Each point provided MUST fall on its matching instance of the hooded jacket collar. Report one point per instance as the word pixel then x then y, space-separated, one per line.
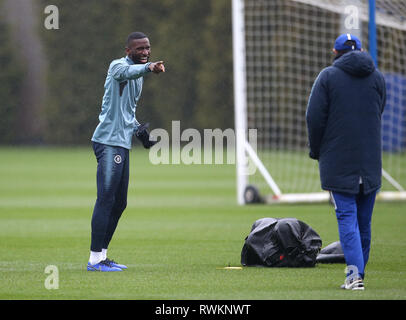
pixel 356 63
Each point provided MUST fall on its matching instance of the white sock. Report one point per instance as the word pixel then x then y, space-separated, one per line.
pixel 95 257
pixel 104 254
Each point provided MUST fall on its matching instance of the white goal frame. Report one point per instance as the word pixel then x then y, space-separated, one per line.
pixel 244 150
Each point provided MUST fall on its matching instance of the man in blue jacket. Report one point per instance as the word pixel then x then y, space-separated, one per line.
pixel 344 129
pixel 112 142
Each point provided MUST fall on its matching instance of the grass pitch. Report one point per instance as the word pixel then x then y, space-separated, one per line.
pixel 181 226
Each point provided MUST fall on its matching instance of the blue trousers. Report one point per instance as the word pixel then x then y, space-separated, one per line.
pixel 354 214
pixel 112 187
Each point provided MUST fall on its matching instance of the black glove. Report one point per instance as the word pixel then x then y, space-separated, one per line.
pixel 143 135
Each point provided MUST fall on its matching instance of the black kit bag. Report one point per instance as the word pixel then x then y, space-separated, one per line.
pixel 333 253
pixel 285 242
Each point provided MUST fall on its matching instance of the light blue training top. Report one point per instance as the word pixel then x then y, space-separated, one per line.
pixel 122 90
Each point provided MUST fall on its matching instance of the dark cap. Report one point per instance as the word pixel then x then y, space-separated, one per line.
pixel 347 41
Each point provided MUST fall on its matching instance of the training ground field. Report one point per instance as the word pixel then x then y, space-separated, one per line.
pixel 181 226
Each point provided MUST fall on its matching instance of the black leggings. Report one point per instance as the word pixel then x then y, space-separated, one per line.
pixel 112 188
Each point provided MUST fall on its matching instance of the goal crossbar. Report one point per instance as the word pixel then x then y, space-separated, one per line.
pixel 289 42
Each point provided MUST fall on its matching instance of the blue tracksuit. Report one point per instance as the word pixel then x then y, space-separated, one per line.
pixel 122 90
pixel 344 129
pixel 111 143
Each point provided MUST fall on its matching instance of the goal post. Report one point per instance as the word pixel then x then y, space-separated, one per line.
pixel 240 104
pixel 279 47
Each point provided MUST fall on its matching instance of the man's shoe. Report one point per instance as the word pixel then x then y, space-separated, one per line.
pixel 115 264
pixel 353 284
pixel 102 266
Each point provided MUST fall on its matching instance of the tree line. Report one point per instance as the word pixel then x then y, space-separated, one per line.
pixel 192 37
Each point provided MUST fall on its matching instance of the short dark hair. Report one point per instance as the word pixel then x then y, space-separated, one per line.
pixel 134 36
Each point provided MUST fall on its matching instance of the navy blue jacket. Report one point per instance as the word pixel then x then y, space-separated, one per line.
pixel 344 123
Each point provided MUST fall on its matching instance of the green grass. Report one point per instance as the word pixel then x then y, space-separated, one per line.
pixel 181 226
pixel 295 172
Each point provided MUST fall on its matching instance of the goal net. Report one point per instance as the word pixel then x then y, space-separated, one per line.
pixel 280 46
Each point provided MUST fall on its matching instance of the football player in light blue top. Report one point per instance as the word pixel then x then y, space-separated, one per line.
pixel 111 143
